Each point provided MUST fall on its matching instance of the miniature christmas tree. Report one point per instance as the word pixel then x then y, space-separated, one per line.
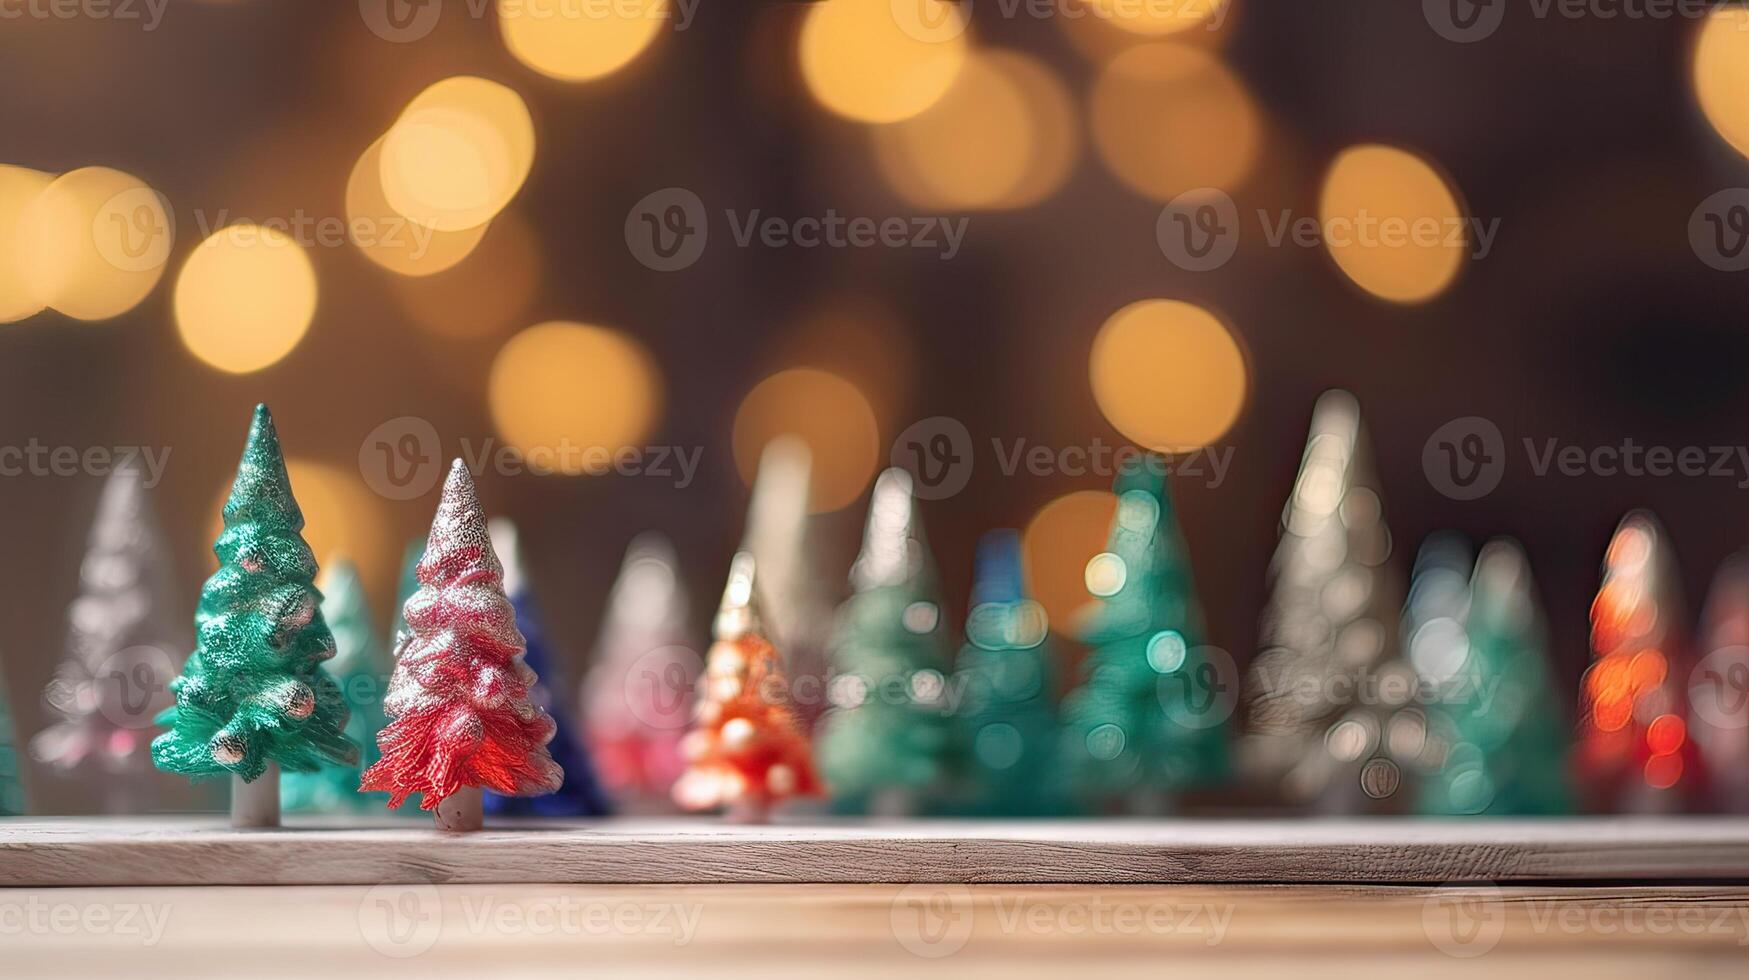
pixel 581 795
pixel 1495 727
pixel 121 652
pixel 362 668
pixel 253 693
pixel 746 751
pixel 796 612
pixel 1329 629
pixel 461 716
pixel 638 695
pixel 1139 729
pixel 885 746
pixel 1718 690
pixel 1634 753
pixel 11 773
pixel 1006 724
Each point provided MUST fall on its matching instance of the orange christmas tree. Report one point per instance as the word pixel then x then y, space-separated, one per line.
pixel 1634 752
pixel 745 750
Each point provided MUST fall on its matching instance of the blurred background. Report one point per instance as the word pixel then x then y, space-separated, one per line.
pixel 1058 131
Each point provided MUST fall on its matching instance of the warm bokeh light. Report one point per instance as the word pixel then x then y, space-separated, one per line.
pixel 1168 375
pixel 825 412
pixel 1392 223
pixel 484 296
pixel 1155 18
pixel 1721 74
pixel 18 187
pixel 1004 135
pixel 862 340
pixel 95 242
pixel 1060 540
pixel 391 239
pixel 245 297
pixel 861 60
pixel 458 154
pixel 342 516
pixel 1169 118
pixel 576 42
pixel 571 397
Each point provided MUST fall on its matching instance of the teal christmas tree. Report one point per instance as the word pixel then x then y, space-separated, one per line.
pixel 253 693
pixel 885 743
pixel 1147 722
pixel 11 774
pixel 1496 725
pixel 1006 723
pixel 361 667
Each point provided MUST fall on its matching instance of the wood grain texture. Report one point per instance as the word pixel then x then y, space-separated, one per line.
pixel 205 851
pixel 1012 932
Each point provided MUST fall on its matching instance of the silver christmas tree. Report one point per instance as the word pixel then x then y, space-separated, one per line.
pixel 122 650
pixel 797 609
pixel 637 695
pixel 1718 688
pixel 1328 638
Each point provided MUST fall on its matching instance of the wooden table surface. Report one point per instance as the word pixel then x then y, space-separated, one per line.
pixel 477 931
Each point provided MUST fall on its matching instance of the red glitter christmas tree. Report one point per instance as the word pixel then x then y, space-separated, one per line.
pixel 1634 753
pixel 462 718
pixel 745 751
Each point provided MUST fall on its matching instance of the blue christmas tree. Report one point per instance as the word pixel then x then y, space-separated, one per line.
pixel 581 795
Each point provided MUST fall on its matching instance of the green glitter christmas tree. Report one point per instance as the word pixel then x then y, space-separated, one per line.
pixel 1006 723
pixel 253 692
pixel 1147 722
pixel 885 743
pixel 11 776
pixel 1496 721
pixel 362 668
